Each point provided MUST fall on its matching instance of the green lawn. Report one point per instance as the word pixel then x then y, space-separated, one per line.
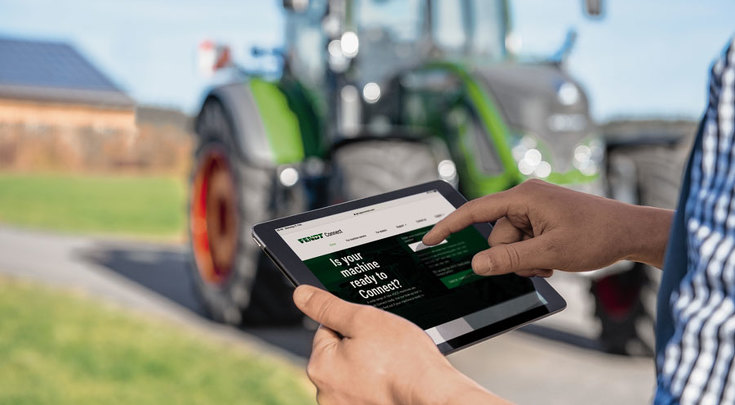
pixel 63 348
pixel 135 205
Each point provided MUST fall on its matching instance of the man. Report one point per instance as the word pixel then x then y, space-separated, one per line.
pixel 541 227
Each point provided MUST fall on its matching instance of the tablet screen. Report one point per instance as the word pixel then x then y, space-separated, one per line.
pixel 374 255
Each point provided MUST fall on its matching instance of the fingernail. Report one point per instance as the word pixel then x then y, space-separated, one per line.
pixel 302 294
pixel 481 264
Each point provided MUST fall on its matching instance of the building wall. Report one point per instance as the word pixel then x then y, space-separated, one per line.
pixel 64 137
pixel 66 115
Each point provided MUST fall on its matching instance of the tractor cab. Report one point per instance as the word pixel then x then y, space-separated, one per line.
pixel 362 48
pixel 443 70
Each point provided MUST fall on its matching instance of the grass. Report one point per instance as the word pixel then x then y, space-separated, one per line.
pixel 61 348
pixel 151 206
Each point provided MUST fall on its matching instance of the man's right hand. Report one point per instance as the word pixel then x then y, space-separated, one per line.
pixel 541 227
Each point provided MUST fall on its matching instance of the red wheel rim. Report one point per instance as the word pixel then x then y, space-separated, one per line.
pixel 617 298
pixel 213 218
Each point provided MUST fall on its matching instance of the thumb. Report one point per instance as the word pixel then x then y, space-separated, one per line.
pixel 325 308
pixel 529 254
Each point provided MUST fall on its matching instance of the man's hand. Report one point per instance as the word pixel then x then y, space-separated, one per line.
pixel 362 355
pixel 541 227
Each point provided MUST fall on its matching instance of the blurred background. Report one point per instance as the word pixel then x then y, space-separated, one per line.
pixel 140 140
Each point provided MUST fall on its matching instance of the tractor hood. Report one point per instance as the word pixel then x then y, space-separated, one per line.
pixel 542 101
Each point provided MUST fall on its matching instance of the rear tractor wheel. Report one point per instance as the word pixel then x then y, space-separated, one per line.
pixel 227 197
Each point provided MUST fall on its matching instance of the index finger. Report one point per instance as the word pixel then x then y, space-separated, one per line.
pixel 325 308
pixel 484 209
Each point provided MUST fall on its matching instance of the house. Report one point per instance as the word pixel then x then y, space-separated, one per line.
pixel 57 109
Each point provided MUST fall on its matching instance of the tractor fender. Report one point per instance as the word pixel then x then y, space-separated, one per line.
pixel 265 131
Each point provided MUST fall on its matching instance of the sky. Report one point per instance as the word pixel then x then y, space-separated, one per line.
pixel 643 59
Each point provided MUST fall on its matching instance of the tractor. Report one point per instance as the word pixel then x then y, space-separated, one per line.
pixel 371 96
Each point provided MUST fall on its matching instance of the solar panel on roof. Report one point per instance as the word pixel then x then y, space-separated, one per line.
pixel 52 64
pixel 53 70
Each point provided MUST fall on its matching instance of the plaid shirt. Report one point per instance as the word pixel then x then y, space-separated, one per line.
pixel 696 311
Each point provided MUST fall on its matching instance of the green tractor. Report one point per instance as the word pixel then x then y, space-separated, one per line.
pixel 373 95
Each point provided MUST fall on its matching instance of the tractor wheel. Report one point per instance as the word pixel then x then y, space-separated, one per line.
pixel 625 303
pixel 365 168
pixel 227 197
pixel 622 306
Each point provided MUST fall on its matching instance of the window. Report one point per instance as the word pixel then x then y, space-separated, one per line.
pixel 307 42
pixel 399 20
pixel 448 25
pixel 488 28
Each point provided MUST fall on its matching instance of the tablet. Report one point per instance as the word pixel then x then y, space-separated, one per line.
pixel 369 251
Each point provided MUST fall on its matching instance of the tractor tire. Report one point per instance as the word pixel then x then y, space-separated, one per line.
pixel 369 167
pixel 235 282
pixel 659 170
pixel 625 303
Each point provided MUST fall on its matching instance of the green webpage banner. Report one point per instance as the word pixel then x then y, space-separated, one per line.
pixel 429 285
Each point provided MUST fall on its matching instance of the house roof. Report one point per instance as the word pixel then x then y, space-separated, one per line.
pixel 54 71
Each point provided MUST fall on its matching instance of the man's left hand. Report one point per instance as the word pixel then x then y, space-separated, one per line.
pixel 363 355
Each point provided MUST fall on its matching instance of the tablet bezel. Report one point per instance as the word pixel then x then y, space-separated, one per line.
pixel 297 273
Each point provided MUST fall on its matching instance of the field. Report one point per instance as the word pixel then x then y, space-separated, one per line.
pixel 152 206
pixel 64 348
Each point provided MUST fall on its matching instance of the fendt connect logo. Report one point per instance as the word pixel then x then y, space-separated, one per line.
pixel 319 236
